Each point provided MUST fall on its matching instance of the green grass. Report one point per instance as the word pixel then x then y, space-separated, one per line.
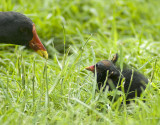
pixel 78 33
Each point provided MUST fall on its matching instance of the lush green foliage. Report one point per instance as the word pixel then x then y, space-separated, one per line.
pixel 78 33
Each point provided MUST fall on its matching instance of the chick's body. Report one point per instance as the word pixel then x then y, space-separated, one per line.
pixel 110 75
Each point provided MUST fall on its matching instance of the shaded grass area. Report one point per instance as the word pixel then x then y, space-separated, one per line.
pixel 78 34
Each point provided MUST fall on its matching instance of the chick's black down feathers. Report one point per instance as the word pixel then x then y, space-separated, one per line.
pixel 110 75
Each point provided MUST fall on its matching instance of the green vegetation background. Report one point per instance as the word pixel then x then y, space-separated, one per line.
pixel 78 33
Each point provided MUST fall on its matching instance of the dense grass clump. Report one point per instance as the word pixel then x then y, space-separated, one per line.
pixel 79 33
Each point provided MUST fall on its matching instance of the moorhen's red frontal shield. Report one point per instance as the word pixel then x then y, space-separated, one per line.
pixel 36 44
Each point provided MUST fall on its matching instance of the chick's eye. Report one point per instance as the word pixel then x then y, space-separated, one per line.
pixel 97 65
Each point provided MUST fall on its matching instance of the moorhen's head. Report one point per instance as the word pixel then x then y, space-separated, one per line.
pixel 18 29
pixel 104 67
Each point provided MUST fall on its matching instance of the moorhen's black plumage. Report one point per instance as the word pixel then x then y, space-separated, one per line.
pixel 134 82
pixel 16 28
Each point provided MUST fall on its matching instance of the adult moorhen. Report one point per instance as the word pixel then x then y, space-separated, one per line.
pixel 16 28
pixel 108 74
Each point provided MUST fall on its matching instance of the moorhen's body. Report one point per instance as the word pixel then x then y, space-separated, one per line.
pixel 134 82
pixel 16 28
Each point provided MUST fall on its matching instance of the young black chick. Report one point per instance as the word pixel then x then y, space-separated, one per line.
pixel 110 75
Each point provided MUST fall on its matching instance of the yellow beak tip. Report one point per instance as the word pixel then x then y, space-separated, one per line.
pixel 43 53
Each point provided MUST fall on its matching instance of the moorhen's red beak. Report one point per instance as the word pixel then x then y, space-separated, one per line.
pixel 36 44
pixel 91 68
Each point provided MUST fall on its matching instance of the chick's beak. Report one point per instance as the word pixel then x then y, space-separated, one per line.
pixel 36 44
pixel 91 68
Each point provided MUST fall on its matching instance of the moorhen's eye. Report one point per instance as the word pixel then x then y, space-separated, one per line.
pixel 24 30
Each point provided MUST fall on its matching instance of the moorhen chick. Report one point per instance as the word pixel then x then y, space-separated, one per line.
pixel 134 82
pixel 16 28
